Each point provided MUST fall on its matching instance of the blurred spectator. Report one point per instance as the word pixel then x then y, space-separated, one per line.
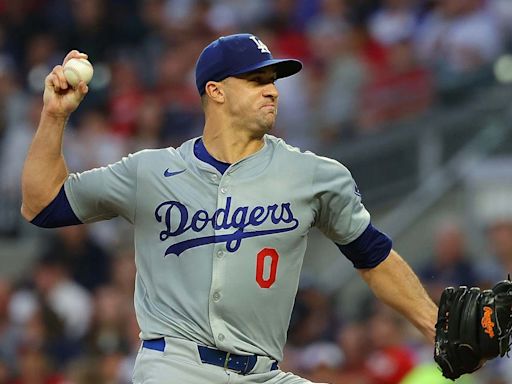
pixel 21 20
pixel 85 260
pixel 17 139
pixel 93 143
pixel 222 19
pixel 106 333
pixel 332 15
pixel 44 331
pixel 83 371
pixel 355 345
pixel 248 12
pixel 109 365
pixel 13 141
pixel 502 12
pixel 177 93
pixel 153 16
pixel 66 298
pixel 450 264
pixel 321 361
pixel 341 73
pixel 459 39
pixel 42 51
pixel 395 21
pixel 149 125
pixel 313 317
pixel 13 99
pixel 36 369
pixel 499 264
pixel 90 30
pixel 15 136
pixel 372 53
pixel 114 332
pixel 126 26
pixel 123 273
pixel 42 55
pixel 9 335
pixel 182 14
pixel 4 372
pixel 312 321
pixel 289 37
pixel 132 337
pixel 396 87
pixel 125 96
pixel 401 89
pixel 390 359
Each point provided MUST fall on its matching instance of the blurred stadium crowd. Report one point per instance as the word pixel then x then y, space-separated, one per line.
pixel 368 63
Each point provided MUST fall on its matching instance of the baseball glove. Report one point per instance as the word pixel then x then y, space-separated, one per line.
pixel 473 326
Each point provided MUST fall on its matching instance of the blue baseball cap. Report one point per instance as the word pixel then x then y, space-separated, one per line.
pixel 236 54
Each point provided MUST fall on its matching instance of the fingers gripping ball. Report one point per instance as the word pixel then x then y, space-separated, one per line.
pixel 473 326
pixel 76 70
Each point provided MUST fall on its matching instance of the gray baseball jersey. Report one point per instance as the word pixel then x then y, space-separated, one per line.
pixel 219 255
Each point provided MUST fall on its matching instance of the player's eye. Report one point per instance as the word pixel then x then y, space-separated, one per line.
pixel 263 79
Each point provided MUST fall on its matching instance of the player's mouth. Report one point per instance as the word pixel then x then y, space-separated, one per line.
pixel 269 108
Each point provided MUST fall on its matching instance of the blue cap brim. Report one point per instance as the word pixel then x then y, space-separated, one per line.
pixel 284 67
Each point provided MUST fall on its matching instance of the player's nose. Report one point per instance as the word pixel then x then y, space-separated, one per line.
pixel 270 90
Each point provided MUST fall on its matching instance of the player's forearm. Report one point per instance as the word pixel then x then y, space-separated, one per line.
pixel 45 169
pixel 394 282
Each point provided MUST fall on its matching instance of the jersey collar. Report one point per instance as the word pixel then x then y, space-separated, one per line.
pixel 257 162
pixel 202 154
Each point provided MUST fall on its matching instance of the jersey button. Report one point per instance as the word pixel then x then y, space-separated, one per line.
pixel 221 337
pixel 214 177
pixel 220 253
pixel 216 296
pixel 223 190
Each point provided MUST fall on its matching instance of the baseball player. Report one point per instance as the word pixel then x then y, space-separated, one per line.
pixel 220 223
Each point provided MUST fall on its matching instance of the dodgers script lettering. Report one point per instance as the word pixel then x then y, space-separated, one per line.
pixel 178 221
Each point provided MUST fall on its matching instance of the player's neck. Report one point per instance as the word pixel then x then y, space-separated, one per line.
pixel 230 147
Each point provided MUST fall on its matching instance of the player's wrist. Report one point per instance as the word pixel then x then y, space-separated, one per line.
pixel 50 114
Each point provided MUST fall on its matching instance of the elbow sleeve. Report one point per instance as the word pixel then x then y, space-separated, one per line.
pixel 369 249
pixel 57 214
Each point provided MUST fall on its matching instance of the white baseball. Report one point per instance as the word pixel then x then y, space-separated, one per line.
pixel 76 70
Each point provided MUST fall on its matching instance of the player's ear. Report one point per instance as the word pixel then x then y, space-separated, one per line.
pixel 215 91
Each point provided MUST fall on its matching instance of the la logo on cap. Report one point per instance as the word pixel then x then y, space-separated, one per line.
pixel 261 46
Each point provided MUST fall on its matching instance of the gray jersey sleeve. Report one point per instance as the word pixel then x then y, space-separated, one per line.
pixel 340 214
pixel 106 192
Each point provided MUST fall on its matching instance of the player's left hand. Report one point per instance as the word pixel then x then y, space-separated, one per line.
pixel 473 326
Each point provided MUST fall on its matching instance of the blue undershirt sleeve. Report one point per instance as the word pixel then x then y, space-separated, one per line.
pixel 57 214
pixel 369 249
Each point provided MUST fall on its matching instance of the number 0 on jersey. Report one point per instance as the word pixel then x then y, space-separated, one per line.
pixel 266 255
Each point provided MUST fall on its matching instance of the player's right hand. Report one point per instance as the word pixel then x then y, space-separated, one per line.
pixel 60 98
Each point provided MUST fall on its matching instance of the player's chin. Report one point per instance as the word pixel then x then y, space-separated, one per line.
pixel 270 118
pixel 268 124
pixel 266 121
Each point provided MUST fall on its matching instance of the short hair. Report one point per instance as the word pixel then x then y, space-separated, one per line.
pixel 204 100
